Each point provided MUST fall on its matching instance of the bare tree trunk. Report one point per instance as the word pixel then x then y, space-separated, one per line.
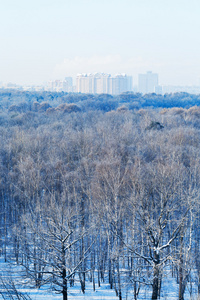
pixel 182 275
pixel 110 273
pixel 155 282
pixel 156 276
pixel 119 281
pixel 64 291
pixel 180 292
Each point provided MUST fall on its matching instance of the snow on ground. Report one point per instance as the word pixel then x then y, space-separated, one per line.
pixel 101 294
pixel 14 272
pixel 169 288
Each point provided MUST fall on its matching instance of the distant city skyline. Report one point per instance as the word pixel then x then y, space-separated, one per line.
pixel 104 83
pixel 45 40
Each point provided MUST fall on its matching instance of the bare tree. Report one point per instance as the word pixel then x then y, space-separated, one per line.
pixel 160 205
pixel 52 238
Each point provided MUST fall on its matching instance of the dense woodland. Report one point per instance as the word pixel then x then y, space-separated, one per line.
pixel 99 188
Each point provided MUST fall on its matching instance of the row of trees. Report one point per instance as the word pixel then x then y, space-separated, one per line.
pixel 23 102
pixel 103 196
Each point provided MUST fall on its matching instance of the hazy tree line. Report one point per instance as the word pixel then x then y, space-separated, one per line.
pixel 96 196
pixel 23 102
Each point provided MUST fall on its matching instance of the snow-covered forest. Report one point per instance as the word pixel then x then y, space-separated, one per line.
pixel 100 190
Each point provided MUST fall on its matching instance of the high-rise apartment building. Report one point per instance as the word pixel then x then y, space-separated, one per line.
pixel 85 83
pixel 69 80
pixel 147 83
pixel 61 85
pixel 121 83
pixel 99 83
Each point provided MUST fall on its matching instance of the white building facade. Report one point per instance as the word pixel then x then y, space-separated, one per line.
pixel 101 83
pixel 147 83
pixel 60 85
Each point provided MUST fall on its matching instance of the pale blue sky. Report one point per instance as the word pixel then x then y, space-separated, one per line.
pixel 43 40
